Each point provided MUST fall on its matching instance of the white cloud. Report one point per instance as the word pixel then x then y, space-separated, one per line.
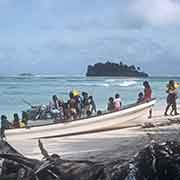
pixel 157 12
pixel 48 35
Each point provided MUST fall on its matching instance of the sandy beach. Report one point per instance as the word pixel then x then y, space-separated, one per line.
pixel 120 144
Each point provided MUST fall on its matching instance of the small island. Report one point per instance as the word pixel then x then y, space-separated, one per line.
pixel 115 69
pixel 26 74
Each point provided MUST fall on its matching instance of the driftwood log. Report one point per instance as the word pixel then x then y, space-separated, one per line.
pixel 154 162
pixel 52 167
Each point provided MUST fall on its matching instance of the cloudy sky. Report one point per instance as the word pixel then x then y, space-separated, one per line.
pixel 64 36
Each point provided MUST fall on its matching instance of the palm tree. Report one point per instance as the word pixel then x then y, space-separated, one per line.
pixel 121 64
pixel 132 67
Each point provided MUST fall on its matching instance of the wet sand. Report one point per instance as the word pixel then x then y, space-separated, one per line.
pixel 120 144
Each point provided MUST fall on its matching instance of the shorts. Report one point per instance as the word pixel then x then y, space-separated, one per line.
pixel 171 99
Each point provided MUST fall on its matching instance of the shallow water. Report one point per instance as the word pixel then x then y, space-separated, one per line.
pixel 39 89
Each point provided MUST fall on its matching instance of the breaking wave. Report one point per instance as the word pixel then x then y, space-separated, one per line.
pixel 94 84
pixel 122 83
pixel 110 80
pixel 127 83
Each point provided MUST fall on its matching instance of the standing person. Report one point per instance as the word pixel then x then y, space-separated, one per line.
pixel 61 110
pixel 16 123
pixel 147 91
pixel 117 103
pixel 92 105
pixel 55 102
pixel 54 107
pixel 77 98
pixel 174 105
pixel 147 95
pixel 171 98
pixel 85 103
pixel 67 113
pixel 111 106
pixel 78 105
pixel 72 106
pixel 4 123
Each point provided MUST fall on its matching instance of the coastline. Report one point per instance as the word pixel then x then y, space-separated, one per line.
pixel 38 90
pixel 103 146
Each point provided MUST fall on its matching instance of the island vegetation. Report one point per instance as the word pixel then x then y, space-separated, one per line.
pixel 115 69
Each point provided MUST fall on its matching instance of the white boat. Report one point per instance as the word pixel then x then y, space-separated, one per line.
pixel 107 121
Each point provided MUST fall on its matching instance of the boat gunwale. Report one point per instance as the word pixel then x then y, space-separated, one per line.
pixel 104 113
pixel 90 119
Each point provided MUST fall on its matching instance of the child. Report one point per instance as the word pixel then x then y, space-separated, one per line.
pixel 140 98
pixel 111 106
pixel 117 102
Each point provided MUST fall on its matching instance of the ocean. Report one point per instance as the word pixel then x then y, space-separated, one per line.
pixel 39 89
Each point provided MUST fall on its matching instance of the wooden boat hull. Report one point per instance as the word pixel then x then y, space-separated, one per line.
pixel 104 122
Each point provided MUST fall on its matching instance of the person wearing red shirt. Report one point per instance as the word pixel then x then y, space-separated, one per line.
pixel 147 91
pixel 147 95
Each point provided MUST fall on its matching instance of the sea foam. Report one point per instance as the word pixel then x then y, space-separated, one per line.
pixel 127 83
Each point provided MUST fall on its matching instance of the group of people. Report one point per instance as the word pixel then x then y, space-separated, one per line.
pixel 16 123
pixel 115 104
pixel 83 105
pixel 147 95
pixel 77 106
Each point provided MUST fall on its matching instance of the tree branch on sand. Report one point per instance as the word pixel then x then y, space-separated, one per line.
pixel 43 150
pixel 155 161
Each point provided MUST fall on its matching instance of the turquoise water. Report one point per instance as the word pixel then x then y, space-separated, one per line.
pixel 39 89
